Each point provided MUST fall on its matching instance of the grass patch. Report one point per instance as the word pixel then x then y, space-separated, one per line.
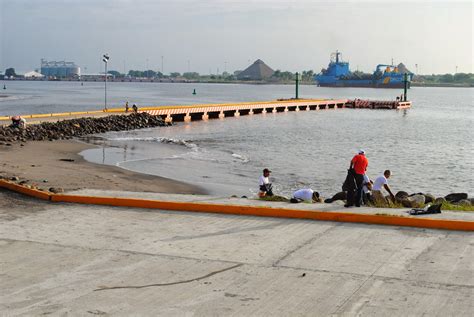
pixel 453 207
pixel 444 206
pixel 275 198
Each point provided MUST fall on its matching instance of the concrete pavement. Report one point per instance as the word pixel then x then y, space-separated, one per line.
pixel 337 206
pixel 68 259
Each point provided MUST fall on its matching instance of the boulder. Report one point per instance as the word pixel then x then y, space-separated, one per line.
pixel 401 195
pixel 429 198
pixel 56 190
pixel 339 196
pixel 68 129
pixel 455 197
pixel 464 202
pixel 416 201
pixel 440 200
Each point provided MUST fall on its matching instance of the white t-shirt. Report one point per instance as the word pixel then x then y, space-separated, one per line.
pixel 304 194
pixel 263 180
pixel 366 180
pixel 379 182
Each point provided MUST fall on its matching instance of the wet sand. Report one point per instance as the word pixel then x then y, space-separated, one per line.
pixel 58 164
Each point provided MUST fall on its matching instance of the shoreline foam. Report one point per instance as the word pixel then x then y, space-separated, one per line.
pixel 39 163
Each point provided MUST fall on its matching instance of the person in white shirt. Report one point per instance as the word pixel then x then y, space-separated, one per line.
pixel 382 182
pixel 305 194
pixel 366 189
pixel 265 185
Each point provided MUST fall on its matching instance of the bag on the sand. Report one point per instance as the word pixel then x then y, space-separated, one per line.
pixel 434 209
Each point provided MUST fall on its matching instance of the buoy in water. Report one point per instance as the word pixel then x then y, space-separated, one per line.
pixel 194 91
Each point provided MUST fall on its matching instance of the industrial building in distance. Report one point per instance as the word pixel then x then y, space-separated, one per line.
pixel 60 69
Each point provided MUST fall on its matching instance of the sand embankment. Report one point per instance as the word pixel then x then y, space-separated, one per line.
pixel 57 164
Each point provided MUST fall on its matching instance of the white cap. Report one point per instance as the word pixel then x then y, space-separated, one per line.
pixel 361 151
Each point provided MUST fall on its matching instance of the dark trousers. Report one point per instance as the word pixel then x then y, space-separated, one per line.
pixel 355 195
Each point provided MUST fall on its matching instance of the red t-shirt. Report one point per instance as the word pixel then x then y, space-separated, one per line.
pixel 360 163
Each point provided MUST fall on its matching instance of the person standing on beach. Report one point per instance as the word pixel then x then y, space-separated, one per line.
pixel 358 165
pixel 127 107
pixel 265 185
pixel 382 181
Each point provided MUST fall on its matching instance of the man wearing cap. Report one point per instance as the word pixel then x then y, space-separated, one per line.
pixel 265 185
pixel 358 165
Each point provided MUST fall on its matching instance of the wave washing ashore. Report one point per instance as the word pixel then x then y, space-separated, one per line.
pixel 79 127
pixel 428 148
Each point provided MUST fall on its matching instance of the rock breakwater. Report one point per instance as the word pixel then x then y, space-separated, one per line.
pixel 68 129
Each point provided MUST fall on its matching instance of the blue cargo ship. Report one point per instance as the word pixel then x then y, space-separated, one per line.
pixel 338 74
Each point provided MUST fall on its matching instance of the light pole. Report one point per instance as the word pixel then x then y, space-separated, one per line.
pixel 147 68
pixel 162 70
pixel 456 70
pixel 105 59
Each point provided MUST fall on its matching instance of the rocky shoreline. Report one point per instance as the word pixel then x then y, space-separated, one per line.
pixel 71 128
pixel 68 129
pixel 418 200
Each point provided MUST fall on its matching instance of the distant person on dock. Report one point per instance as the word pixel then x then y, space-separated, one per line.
pixel 18 122
pixel 358 166
pixel 127 108
pixel 305 195
pixel 135 108
pixel 382 182
pixel 265 185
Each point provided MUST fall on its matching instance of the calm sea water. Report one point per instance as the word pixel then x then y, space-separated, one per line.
pixel 429 148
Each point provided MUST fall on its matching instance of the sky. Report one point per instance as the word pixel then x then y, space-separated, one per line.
pixel 205 36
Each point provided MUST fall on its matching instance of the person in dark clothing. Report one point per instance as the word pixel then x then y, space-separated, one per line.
pixel 358 166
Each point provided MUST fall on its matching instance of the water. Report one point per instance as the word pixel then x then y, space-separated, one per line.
pixel 429 148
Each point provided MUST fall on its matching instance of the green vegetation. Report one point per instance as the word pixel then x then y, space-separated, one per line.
pixel 453 207
pixel 459 79
pixel 275 198
pixel 444 206
pixel 10 72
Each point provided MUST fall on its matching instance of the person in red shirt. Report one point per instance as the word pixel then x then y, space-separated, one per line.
pixel 358 167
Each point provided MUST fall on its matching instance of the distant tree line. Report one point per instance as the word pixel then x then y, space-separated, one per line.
pixel 458 78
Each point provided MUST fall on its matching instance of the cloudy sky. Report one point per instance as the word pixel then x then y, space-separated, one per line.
pixel 204 35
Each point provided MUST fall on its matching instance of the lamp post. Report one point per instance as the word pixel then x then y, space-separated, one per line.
pixel 105 59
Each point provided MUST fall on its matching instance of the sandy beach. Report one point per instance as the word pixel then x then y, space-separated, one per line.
pixel 58 164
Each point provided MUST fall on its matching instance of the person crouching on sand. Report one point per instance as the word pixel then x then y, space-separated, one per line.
pixel 305 195
pixel 18 122
pixel 265 185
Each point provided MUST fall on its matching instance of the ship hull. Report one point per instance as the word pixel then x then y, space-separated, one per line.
pixel 340 84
